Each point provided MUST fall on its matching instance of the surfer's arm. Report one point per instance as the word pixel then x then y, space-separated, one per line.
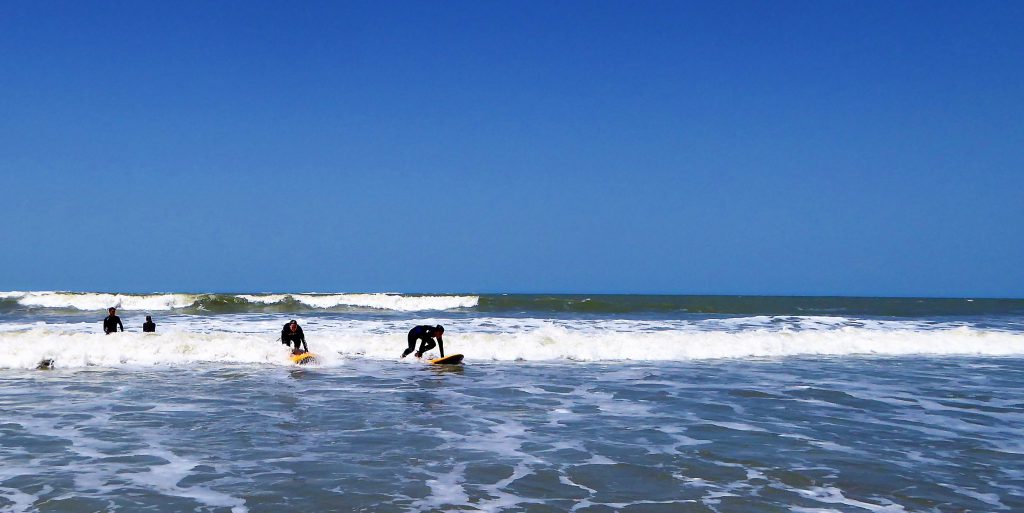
pixel 119 324
pixel 440 345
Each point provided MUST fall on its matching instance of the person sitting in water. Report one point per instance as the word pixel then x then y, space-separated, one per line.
pixel 292 334
pixel 112 321
pixel 149 326
pixel 427 334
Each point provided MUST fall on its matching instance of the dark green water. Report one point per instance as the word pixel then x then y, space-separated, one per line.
pixel 502 304
pixel 751 305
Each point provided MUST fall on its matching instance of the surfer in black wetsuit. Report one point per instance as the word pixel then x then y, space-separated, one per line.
pixel 112 321
pixel 427 334
pixel 292 333
pixel 149 326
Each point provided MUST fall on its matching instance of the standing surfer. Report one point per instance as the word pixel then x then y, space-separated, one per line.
pixel 292 334
pixel 427 334
pixel 149 326
pixel 112 321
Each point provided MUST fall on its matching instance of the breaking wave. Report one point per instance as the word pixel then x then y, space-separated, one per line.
pixel 395 302
pixel 553 305
pixel 26 348
pixel 89 301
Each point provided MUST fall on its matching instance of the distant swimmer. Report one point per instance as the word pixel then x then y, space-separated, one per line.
pixel 149 326
pixel 111 323
pixel 427 334
pixel 292 334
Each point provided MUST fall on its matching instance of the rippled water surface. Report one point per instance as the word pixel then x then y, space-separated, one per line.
pixel 791 434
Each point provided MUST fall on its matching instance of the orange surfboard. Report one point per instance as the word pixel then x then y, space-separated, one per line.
pixel 452 359
pixel 303 358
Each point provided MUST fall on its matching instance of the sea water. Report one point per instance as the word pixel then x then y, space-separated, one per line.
pixel 565 403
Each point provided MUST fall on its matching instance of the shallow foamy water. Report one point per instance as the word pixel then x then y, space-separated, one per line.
pixel 791 434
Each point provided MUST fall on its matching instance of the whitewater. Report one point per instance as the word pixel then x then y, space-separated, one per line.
pixel 181 342
pixel 583 403
pixel 164 302
pixel 243 328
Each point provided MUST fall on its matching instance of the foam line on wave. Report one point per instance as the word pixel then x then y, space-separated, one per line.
pixel 381 301
pixel 560 344
pixel 92 301
pixel 25 349
pixel 101 301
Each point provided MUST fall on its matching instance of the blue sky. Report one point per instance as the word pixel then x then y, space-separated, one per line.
pixel 853 148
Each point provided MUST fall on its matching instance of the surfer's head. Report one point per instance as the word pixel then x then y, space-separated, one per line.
pixel 438 329
pixel 111 310
pixel 294 325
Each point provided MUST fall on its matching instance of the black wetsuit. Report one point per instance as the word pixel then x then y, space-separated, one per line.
pixel 426 334
pixel 111 323
pixel 149 327
pixel 296 337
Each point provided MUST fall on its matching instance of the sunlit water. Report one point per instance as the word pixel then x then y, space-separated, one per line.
pixel 794 434
pixel 564 403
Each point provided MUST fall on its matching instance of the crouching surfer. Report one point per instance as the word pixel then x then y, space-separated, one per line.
pixel 292 334
pixel 426 334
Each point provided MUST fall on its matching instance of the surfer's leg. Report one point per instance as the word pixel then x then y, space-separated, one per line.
pixel 412 345
pixel 427 344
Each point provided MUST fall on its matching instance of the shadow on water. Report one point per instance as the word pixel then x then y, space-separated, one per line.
pixel 299 374
pixel 441 370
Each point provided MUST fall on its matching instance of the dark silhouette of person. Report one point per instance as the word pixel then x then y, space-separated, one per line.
pixel 149 326
pixel 292 334
pixel 111 323
pixel 426 334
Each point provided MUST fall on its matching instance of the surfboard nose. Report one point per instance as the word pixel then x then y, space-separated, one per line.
pixel 303 358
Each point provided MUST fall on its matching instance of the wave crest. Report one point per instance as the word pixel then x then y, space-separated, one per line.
pixel 91 301
pixel 395 302
pixel 99 301
pixel 24 349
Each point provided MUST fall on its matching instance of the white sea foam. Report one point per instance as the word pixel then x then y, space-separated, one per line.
pixel 395 302
pixel 88 301
pixel 833 495
pixel 98 301
pixel 74 348
pixel 445 490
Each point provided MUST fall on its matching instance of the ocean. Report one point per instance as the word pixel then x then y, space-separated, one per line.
pixel 581 403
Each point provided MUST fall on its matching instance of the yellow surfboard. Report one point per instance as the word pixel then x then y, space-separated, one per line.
pixel 451 359
pixel 303 358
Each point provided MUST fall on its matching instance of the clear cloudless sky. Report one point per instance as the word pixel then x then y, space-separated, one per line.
pixel 846 147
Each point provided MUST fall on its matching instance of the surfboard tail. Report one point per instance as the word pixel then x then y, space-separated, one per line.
pixel 448 360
